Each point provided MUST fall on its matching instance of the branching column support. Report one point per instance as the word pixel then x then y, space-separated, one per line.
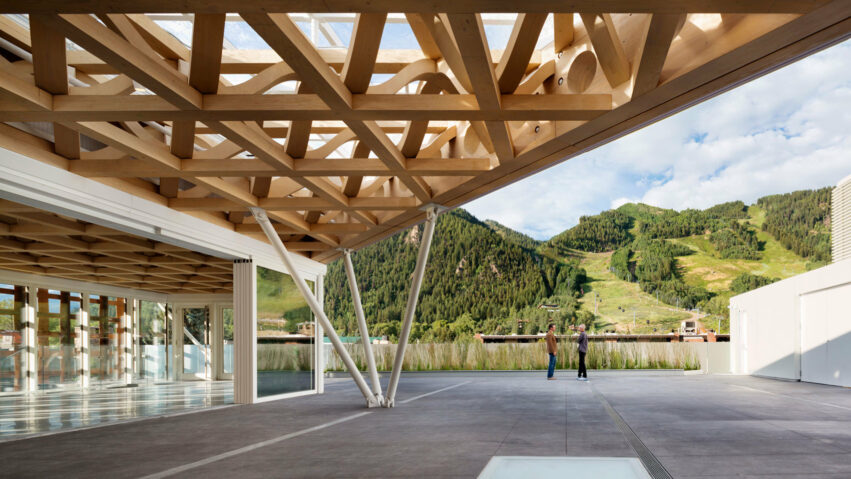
pixel 266 225
pixel 364 331
pixel 416 283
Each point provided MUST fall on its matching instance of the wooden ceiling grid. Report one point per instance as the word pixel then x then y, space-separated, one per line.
pixel 33 241
pixel 174 130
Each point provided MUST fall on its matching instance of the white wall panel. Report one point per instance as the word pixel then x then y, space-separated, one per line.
pixel 798 328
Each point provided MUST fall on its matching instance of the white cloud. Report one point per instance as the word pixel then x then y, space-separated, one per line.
pixel 783 132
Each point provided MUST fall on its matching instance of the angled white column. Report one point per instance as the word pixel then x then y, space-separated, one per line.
pixel 413 296
pixel 266 225
pixel 364 331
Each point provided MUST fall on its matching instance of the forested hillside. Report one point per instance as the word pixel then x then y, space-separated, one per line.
pixel 800 221
pixel 650 266
pixel 512 236
pixel 475 279
pixel 651 245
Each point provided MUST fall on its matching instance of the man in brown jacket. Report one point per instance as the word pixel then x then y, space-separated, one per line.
pixel 552 350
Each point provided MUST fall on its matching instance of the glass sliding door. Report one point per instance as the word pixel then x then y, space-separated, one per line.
pixel 58 338
pixel 285 354
pixel 12 362
pixel 196 342
pixel 105 358
pixel 154 346
pixel 227 342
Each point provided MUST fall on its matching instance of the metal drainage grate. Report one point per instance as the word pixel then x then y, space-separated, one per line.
pixel 651 462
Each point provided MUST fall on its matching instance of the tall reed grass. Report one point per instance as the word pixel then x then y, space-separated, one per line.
pixel 284 357
pixel 526 356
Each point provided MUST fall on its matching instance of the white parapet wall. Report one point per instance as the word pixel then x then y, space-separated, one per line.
pixel 798 328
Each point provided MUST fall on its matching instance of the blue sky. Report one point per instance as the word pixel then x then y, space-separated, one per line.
pixel 786 131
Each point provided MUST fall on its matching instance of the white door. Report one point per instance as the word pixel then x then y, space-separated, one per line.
pixel 826 336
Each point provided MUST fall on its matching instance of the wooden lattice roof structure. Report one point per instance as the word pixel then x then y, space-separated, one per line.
pixel 342 133
pixel 34 241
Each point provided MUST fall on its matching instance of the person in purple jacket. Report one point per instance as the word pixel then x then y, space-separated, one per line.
pixel 582 342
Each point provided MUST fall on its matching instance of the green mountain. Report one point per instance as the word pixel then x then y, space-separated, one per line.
pixel 637 268
pixel 516 237
pixel 697 258
pixel 479 278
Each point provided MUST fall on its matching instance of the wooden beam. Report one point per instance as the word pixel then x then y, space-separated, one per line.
pixel 158 76
pixel 295 204
pixel 208 32
pixel 607 46
pixel 655 44
pixel 470 35
pixel 257 61
pixel 251 137
pixel 326 228
pixel 306 246
pixel 25 93
pixel 513 65
pixel 442 36
pixel 160 40
pixel 423 34
pixel 14 33
pixel 287 39
pixel 282 34
pixel 435 6
pixel 205 64
pixel 372 107
pixel 353 181
pixel 363 51
pixel 303 167
pixel 563 31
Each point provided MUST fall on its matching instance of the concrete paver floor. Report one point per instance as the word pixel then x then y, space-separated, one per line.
pixel 696 426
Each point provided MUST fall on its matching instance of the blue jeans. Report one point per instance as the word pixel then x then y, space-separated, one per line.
pixel 552 368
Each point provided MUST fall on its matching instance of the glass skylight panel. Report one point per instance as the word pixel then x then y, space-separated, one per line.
pixel 379 78
pixel 243 37
pixel 546 37
pixel 398 36
pixel 343 30
pixel 180 29
pixel 498 28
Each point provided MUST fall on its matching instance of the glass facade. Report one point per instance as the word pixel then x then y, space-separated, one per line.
pixel 227 340
pixel 154 353
pixel 12 361
pixel 58 338
pixel 108 342
pixel 196 342
pixel 285 355
pixel 105 358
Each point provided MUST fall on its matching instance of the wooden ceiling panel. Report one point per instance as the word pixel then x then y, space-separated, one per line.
pixel 37 242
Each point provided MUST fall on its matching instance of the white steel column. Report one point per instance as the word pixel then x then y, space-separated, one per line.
pixel 263 220
pixel 413 296
pixel 244 332
pixel 319 339
pixel 83 319
pixel 364 331
pixel 31 366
